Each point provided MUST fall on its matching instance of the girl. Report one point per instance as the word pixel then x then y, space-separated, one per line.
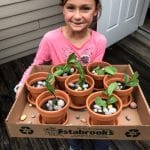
pixel 74 37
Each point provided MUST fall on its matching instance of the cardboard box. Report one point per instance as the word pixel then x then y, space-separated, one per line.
pixel 136 129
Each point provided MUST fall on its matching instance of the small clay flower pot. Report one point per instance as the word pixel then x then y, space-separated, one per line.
pixel 35 91
pixel 102 119
pixel 124 94
pixel 60 80
pixel 78 98
pixel 52 117
pixel 98 79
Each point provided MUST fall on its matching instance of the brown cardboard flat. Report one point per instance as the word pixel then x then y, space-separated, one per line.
pixel 137 128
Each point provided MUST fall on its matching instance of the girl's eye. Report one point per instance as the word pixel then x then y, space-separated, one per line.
pixel 85 9
pixel 70 7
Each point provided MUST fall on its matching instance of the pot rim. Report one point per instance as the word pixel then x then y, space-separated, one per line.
pixel 91 83
pixel 105 81
pixel 61 77
pixel 94 64
pixel 29 82
pixel 94 95
pixel 48 96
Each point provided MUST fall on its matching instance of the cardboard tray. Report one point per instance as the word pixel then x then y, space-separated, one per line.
pixel 137 128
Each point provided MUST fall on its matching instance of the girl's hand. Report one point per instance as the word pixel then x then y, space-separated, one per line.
pixel 17 89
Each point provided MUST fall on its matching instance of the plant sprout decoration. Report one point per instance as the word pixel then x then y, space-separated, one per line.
pixel 111 99
pixel 72 60
pixel 110 70
pixel 128 81
pixel 51 88
pixel 134 81
pixel 49 79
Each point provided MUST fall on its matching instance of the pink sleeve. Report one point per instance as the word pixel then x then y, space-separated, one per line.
pixel 42 55
pixel 101 47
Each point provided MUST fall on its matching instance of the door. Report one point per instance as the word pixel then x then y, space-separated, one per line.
pixel 120 18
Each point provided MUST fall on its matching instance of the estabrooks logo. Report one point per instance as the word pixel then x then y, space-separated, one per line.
pixel 79 132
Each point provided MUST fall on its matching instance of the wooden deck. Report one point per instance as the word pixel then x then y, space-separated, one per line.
pixel 10 74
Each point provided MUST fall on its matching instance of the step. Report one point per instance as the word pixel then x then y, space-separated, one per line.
pixel 138 45
pixel 143 36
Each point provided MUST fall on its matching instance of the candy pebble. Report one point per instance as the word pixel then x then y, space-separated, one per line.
pixel 23 117
pixel 133 105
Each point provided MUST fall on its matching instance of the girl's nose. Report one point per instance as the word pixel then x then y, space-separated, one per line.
pixel 77 14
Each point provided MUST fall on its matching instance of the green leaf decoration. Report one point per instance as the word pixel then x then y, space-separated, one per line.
pixel 100 102
pixel 59 71
pixel 110 70
pixel 96 68
pixel 54 102
pixel 72 58
pixel 81 73
pixel 135 76
pixel 49 80
pixel 100 72
pixel 66 68
pixel 111 100
pixel 133 82
pixel 104 103
pixel 126 78
pixel 111 88
pixel 59 67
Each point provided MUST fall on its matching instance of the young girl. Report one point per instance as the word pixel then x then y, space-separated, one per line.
pixel 74 37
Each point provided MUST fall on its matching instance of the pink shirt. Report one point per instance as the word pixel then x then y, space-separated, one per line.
pixel 56 48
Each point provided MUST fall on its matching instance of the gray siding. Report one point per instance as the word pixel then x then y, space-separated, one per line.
pixel 23 23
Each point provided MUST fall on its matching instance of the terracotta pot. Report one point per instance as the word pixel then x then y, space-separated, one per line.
pixel 98 79
pixel 101 119
pixel 126 94
pixel 52 117
pixel 78 98
pixel 35 91
pixel 60 80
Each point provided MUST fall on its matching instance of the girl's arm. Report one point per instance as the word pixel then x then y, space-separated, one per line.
pixel 42 55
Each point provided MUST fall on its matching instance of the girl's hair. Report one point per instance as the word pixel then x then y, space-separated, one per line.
pixel 97 2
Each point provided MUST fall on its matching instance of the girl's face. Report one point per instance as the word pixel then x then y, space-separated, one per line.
pixel 78 14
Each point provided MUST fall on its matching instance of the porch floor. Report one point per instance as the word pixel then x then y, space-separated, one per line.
pixel 10 74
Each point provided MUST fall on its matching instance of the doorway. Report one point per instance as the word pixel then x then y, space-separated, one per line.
pixel 146 25
pixel 121 18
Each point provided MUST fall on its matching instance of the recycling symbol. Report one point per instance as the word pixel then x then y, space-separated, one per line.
pixel 133 133
pixel 26 130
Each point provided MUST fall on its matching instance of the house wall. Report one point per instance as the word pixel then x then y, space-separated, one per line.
pixel 23 23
